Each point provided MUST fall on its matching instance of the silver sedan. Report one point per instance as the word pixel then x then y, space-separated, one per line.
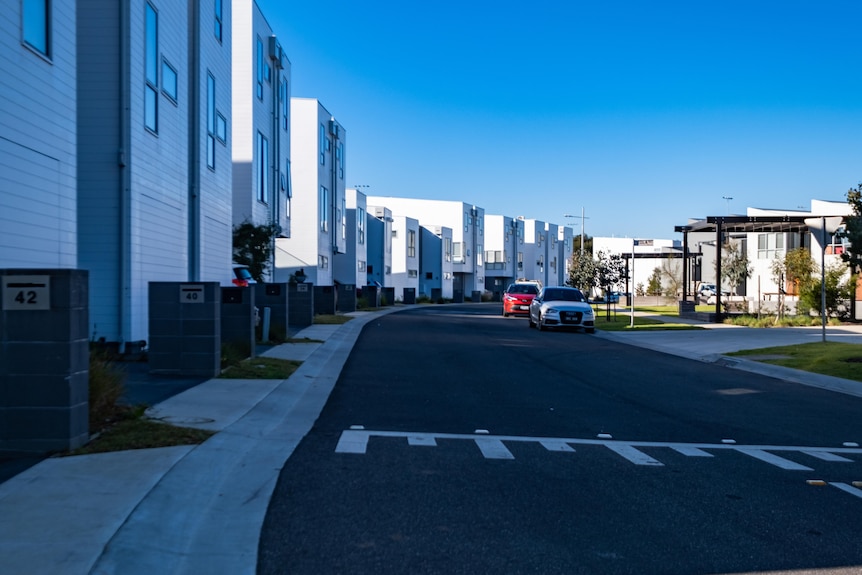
pixel 562 307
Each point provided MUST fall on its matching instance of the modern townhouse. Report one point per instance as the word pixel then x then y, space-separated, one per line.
pixel 154 159
pixel 435 262
pixel 504 254
pixel 468 236
pixel 38 147
pixel 565 245
pixel 351 267
pixel 535 240
pixel 405 257
pixel 260 124
pixel 319 204
pixel 649 255
pixel 553 265
pixel 379 227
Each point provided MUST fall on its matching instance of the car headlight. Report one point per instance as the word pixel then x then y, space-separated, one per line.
pixel 588 311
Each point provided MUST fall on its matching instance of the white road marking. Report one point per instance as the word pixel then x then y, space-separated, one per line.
pixel 773 459
pixel 692 451
pixel 553 445
pixel 493 447
pixel 632 454
pixel 848 489
pixel 826 456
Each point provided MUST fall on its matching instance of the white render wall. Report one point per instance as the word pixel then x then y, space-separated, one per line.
pixel 38 146
pixel 405 266
pixel 347 265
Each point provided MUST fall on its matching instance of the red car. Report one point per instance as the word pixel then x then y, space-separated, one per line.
pixel 517 298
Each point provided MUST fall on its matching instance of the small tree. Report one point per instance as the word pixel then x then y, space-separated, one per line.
pixel 582 273
pixel 734 265
pixel 853 230
pixel 838 290
pixel 798 267
pixel 671 275
pixel 654 282
pixel 252 247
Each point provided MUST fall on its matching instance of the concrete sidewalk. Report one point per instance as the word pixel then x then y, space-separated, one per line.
pixel 189 509
pixel 199 509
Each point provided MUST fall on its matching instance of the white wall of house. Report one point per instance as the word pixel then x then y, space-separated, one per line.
pixel 435 260
pixel 260 121
pixel 38 203
pixel 319 205
pixel 351 266
pixel 468 233
pixel 503 238
pixel 566 244
pixel 405 255
pixel 535 239
pixel 154 181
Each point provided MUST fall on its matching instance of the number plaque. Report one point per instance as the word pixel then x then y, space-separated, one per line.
pixel 23 293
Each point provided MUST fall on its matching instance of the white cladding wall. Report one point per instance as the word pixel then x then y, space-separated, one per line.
pixel 264 116
pixel 350 267
pixel 38 144
pixel 309 175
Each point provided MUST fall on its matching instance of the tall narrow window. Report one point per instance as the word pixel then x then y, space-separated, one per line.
pixel 321 144
pixel 411 244
pixel 169 81
pixel 211 121
pixel 360 226
pixel 323 209
pixel 151 68
pixel 218 19
pixel 262 162
pixel 285 105
pixel 339 155
pixel 259 69
pixel 34 21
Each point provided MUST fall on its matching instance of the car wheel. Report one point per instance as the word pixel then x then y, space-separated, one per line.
pixel 505 314
pixel 541 323
pixel 531 323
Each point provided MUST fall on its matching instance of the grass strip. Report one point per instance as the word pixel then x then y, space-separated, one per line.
pixel 261 368
pixel 842 360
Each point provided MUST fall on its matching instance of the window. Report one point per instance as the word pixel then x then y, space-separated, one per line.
pixel 456 252
pixel 262 168
pixel 360 226
pixel 447 249
pixel 221 128
pixel 211 121
pixel 360 266
pixel 34 21
pixel 412 274
pixel 259 69
pixel 169 81
pixel 151 68
pixel 770 246
pixel 285 105
pixel 339 155
pixel 321 144
pixel 520 261
pixel 323 209
pixel 218 19
pixel 411 244
pixel 322 262
pixel 342 216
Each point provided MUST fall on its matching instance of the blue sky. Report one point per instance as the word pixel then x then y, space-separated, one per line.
pixel 642 113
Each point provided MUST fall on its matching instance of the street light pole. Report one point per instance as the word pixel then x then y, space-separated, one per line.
pixel 582 227
pixel 727 199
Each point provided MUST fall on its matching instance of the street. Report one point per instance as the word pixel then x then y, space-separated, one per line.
pixel 459 441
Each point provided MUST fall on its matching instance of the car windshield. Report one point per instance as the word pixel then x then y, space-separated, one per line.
pixel 563 295
pixel 523 288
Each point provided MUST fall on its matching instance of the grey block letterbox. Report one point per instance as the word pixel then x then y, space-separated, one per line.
pixel 44 360
pixel 185 328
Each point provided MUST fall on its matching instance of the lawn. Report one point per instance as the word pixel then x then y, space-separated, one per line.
pixel 842 360
pixel 622 322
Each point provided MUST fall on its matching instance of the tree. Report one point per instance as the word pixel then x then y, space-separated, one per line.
pixel 853 230
pixel 610 271
pixel 670 272
pixel 734 265
pixel 798 267
pixel 252 247
pixel 838 289
pixel 582 272
pixel 654 283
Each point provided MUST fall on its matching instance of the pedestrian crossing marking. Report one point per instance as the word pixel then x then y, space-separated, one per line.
pixel 494 447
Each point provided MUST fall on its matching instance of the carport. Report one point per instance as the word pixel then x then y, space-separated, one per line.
pixel 721 225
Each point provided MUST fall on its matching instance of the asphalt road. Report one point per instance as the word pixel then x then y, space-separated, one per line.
pixel 458 441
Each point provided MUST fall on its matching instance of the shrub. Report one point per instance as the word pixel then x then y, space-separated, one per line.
pixel 107 385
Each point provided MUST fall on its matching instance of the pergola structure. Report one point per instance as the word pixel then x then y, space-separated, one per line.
pixel 736 224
